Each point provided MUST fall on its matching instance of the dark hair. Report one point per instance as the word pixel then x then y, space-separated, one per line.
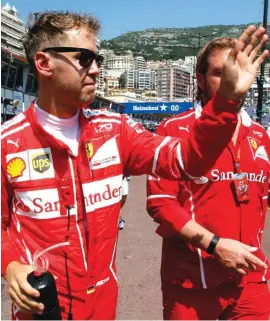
pixel 47 29
pixel 203 56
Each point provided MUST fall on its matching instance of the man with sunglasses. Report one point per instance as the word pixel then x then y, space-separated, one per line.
pixel 62 168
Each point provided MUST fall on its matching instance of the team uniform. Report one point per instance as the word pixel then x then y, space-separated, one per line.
pixel 192 280
pixel 52 198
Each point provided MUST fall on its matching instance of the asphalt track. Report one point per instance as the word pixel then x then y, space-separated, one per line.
pixel 138 256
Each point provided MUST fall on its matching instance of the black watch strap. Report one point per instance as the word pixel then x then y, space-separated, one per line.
pixel 213 244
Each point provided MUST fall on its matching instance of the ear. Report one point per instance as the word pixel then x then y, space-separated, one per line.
pixel 200 81
pixel 43 64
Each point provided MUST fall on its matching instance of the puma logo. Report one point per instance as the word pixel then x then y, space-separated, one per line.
pixel 9 141
pixel 184 128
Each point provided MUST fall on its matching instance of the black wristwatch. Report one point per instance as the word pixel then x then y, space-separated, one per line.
pixel 213 244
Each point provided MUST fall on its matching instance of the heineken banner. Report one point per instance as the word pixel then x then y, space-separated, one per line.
pixel 156 107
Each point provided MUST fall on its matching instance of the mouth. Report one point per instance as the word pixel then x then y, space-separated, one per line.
pixel 93 85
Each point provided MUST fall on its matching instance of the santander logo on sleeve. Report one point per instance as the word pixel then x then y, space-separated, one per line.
pixel 102 193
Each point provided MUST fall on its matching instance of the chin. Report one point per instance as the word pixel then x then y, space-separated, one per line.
pixel 87 100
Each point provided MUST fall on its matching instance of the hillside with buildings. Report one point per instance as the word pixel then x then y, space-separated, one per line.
pixel 170 43
pixel 143 66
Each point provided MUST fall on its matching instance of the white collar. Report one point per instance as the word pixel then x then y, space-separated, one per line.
pixel 198 110
pixel 246 120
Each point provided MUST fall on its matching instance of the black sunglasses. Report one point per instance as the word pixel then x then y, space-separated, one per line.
pixel 87 56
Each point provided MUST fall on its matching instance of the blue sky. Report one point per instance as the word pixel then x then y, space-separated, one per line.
pixel 120 16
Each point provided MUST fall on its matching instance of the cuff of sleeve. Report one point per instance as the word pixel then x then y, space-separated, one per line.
pixel 7 257
pixel 172 219
pixel 221 104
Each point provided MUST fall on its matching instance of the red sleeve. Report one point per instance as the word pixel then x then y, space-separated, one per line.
pixel 172 158
pixel 8 253
pixel 162 202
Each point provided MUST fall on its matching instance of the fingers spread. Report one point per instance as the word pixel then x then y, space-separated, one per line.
pixel 244 39
pixel 257 35
pixel 261 59
pixel 258 48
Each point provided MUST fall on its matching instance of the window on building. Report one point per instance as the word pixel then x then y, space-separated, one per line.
pixel 31 85
pixel 19 79
pixel 4 73
pixel 11 77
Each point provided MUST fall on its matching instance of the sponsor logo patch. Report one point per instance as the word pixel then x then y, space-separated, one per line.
pixel 102 193
pixel 15 167
pixel 94 112
pixel 40 204
pixel 38 164
pixel 261 153
pixel 201 180
pixel 106 155
pixel 216 175
pixel 107 160
pixel 184 128
pixel 89 147
pixel 15 120
pixel 253 146
pixel 137 126
pixel 41 163
pixel 260 134
pixel 12 142
pixel 257 151
pixel 104 128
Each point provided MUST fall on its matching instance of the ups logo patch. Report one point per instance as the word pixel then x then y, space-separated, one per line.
pixel 41 163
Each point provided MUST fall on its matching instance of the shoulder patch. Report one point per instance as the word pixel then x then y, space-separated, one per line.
pixel 14 121
pixel 93 112
pixel 136 125
pixel 88 113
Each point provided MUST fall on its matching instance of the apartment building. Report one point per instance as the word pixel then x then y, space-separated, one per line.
pixel 120 62
pixel 12 30
pixel 140 79
pixel 139 63
pixel 173 83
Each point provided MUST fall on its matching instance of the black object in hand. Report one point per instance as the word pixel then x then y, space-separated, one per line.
pixel 45 284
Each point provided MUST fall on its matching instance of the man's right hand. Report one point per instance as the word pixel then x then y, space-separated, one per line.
pixel 20 291
pixel 237 256
pixel 240 69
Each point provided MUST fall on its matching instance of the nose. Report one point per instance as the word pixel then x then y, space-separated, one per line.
pixel 94 70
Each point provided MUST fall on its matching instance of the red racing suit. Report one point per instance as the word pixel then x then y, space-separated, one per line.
pixel 52 198
pixel 211 201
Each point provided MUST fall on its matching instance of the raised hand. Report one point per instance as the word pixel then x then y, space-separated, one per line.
pixel 240 69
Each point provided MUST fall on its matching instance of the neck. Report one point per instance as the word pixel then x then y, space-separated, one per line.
pixel 56 106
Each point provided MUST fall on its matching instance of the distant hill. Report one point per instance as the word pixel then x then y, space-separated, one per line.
pixel 171 43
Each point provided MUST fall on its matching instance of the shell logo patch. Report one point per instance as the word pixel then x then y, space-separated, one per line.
pixel 89 149
pixel 15 167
